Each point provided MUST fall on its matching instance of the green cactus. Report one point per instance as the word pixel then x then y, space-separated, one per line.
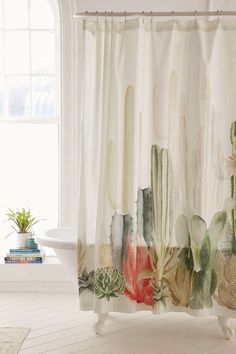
pixel 161 185
pixel 233 186
pixel 162 196
pixel 182 236
pixel 108 282
pixel 144 214
pixel 205 280
pixel 121 227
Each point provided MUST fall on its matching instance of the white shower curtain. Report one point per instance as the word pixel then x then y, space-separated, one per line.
pixel 157 203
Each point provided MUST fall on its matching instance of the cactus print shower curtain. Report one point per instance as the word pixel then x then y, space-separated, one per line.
pixel 157 203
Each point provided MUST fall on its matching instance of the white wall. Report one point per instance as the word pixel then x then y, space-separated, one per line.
pixel 140 5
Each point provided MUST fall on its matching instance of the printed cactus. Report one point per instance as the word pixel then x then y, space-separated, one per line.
pixel 121 227
pixel 180 280
pixel 161 178
pixel 108 282
pixel 144 214
pixel 226 295
pixel 162 219
pixel 205 280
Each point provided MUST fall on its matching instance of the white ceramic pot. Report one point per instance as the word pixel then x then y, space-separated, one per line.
pixel 22 240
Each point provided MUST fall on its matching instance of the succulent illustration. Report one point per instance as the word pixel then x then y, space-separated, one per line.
pixel 138 262
pixel 108 282
pixel 86 281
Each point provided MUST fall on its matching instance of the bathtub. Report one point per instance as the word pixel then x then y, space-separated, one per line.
pixel 63 242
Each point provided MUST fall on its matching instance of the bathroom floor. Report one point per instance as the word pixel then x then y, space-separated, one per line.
pixel 57 327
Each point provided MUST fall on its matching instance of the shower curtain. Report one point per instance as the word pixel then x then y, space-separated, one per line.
pixel 157 201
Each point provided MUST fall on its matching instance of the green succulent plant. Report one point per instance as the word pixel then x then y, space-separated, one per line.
pixel 108 282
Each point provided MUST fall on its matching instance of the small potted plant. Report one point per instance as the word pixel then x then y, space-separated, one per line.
pixel 22 221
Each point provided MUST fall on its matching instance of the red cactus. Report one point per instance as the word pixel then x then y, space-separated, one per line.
pixel 137 261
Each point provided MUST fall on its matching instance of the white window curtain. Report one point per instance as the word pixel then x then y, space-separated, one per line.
pixel 158 163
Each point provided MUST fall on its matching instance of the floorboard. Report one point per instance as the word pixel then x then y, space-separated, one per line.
pixel 58 327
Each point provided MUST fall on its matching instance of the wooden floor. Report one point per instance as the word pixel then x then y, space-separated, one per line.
pixel 57 327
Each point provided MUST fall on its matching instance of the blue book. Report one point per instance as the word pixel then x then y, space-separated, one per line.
pixel 24 250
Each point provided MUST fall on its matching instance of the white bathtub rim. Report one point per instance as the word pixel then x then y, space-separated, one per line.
pixel 55 243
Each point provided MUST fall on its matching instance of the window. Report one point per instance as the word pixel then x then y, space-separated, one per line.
pixel 29 110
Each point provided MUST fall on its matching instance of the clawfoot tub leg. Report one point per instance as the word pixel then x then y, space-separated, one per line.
pixel 100 322
pixel 225 326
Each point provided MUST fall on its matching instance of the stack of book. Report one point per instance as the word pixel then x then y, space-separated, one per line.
pixel 24 255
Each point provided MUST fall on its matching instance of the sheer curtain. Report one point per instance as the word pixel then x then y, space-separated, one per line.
pixel 158 163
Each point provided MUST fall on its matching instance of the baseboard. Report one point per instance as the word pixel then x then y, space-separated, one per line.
pixel 38 287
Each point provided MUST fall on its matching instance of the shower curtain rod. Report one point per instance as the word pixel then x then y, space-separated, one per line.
pixel 154 13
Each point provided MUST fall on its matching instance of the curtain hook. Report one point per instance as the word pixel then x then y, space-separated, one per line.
pixel 151 18
pixel 143 17
pixel 112 17
pixel 86 15
pixel 105 17
pixel 97 17
pixel 217 12
pixel 173 14
pixel 195 15
pixel 125 17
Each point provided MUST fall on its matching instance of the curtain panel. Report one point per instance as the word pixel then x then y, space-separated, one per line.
pixel 157 202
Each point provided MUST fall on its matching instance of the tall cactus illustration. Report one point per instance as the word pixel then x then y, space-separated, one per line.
pixel 121 227
pixel 144 214
pixel 162 218
pixel 161 180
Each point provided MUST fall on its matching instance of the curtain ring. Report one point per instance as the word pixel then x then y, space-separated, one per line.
pixel 217 12
pixel 195 15
pixel 97 17
pixel 86 15
pixel 151 19
pixel 143 17
pixel 125 17
pixel 105 17
pixel 112 17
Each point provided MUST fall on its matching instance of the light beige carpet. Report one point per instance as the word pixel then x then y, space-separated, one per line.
pixel 11 339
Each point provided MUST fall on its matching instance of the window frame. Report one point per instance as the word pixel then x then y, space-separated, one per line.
pixel 56 8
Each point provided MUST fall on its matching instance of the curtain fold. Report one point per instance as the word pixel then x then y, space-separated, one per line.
pixel 157 175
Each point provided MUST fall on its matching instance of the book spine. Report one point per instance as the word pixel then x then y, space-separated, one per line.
pixel 30 255
pixel 24 258
pixel 22 262
pixel 23 251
